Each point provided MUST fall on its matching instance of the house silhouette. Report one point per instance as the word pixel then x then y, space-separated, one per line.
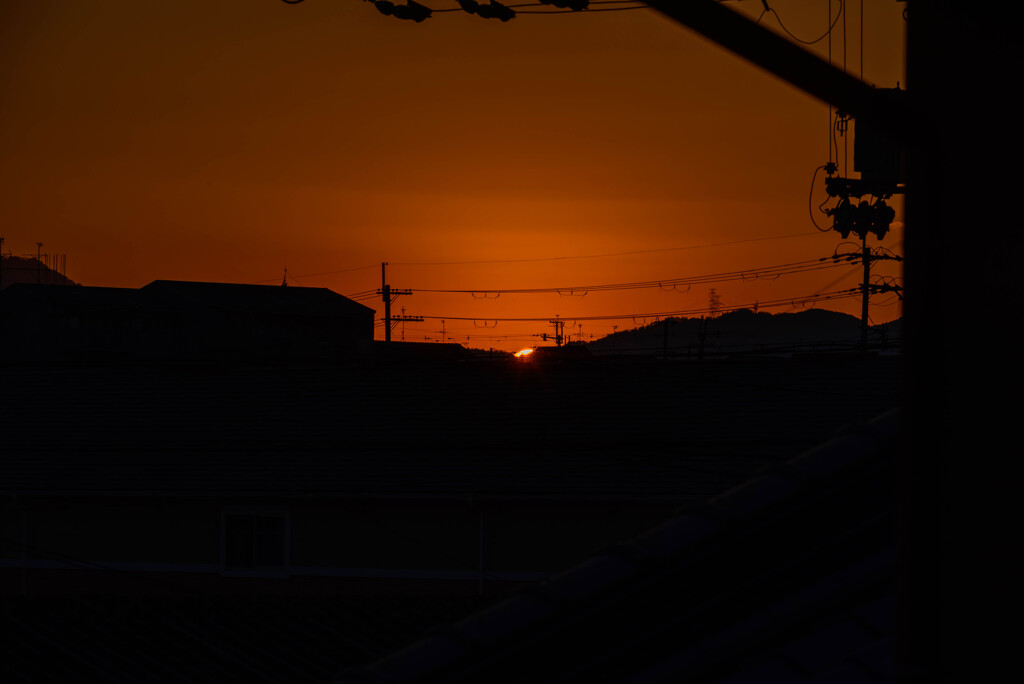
pixel 170 320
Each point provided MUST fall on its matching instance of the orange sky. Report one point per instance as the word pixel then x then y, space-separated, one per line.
pixel 229 140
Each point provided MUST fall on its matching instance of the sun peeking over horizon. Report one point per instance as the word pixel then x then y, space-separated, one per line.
pixel 572 155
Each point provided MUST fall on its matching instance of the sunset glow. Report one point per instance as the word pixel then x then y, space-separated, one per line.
pixel 231 141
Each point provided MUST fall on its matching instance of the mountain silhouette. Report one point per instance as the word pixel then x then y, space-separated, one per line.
pixel 15 269
pixel 747 331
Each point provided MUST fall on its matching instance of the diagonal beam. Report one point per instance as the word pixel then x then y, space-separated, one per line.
pixel 788 61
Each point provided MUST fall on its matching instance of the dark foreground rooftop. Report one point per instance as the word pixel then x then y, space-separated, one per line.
pixel 686 434
pixel 677 431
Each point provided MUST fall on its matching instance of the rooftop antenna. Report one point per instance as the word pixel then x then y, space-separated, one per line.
pixel 39 248
pixel 284 283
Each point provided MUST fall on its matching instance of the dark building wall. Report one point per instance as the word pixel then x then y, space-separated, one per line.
pixel 41 324
pixel 94 544
pixel 225 334
pixel 62 324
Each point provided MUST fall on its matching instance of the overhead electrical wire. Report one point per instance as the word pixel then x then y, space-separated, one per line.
pixel 418 12
pixel 598 256
pixel 771 272
pixel 828 32
pixel 810 201
pixel 787 301
pixel 470 7
pixel 633 5
pixel 533 259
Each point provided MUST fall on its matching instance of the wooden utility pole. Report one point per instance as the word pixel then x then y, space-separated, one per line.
pixel 867 289
pixel 388 294
pixel 664 337
pixel 385 292
pixel 559 330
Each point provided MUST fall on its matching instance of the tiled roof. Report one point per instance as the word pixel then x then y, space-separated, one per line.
pixel 788 578
pixel 208 638
pixel 682 432
pixel 677 432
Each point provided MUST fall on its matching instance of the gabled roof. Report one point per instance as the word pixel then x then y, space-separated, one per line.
pixel 168 294
pixel 255 298
pixel 787 578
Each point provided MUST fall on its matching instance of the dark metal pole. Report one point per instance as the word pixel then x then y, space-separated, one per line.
pixel 385 291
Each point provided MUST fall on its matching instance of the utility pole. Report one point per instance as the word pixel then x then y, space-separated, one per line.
pixel 702 334
pixel 559 328
pixel 559 332
pixel 867 289
pixel 39 248
pixel 714 303
pixel 388 294
pixel 385 292
pixel 664 337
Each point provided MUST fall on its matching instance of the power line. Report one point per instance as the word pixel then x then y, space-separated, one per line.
pixel 763 273
pixel 418 12
pixel 536 259
pixel 601 256
pixel 778 19
pixel 788 301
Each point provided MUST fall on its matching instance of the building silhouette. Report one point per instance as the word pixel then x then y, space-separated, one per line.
pixel 180 321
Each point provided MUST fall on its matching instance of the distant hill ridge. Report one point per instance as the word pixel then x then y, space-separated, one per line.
pixel 746 331
pixel 15 269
